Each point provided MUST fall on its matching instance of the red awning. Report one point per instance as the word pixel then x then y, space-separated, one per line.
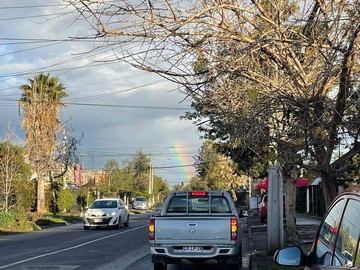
pixel 301 182
pixel 263 184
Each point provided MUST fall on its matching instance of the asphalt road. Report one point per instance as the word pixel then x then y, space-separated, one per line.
pixel 71 247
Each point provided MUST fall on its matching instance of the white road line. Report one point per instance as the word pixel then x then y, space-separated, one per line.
pixel 125 261
pixel 73 247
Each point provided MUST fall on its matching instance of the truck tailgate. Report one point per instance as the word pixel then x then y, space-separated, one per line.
pixel 191 229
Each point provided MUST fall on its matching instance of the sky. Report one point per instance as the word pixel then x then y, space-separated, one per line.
pixel 117 109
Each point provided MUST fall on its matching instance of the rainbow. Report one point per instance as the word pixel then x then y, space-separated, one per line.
pixel 183 159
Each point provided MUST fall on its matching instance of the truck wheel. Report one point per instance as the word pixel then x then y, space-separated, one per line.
pixel 234 266
pixel 160 266
pixel 236 263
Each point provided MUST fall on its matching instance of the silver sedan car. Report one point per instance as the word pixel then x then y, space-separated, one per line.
pixel 107 212
pixel 140 202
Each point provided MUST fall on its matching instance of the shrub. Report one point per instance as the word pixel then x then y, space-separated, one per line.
pixel 15 221
pixel 25 193
pixel 65 200
pixel 85 198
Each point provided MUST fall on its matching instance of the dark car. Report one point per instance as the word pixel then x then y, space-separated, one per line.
pixel 336 244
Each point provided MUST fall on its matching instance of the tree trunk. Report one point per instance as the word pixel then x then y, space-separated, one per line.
pixel 53 192
pixel 40 202
pixel 329 187
pixel 290 210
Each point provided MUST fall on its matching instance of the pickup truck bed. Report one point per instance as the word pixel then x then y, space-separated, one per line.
pixel 196 226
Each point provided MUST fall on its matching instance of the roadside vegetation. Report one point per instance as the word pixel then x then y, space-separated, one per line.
pixel 18 200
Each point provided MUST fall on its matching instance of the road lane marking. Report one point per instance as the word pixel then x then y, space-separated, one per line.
pixel 125 261
pixel 71 248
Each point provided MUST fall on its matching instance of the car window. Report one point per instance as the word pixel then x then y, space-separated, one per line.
pixel 198 204
pixel 327 233
pixel 177 204
pixel 347 239
pixel 220 205
pixel 103 204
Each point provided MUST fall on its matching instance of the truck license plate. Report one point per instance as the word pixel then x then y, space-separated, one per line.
pixel 194 249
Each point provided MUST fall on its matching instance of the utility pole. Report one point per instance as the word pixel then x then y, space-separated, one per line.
pixel 63 154
pixel 151 183
pixel 275 216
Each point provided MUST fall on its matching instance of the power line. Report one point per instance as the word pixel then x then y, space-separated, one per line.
pixel 129 106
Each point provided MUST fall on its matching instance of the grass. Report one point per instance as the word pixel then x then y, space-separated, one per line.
pixel 32 222
pixel 57 220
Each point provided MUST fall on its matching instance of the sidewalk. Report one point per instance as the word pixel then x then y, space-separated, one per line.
pixel 257 237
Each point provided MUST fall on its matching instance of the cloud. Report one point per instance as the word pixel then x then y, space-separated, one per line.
pixel 118 109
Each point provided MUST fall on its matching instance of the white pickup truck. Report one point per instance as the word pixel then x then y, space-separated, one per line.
pixel 196 226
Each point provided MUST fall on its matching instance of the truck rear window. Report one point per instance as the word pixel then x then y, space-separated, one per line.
pixel 198 204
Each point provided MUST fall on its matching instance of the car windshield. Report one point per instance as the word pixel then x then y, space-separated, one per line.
pixel 103 204
pixel 140 199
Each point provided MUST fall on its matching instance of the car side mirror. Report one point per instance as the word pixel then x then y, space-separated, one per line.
pixel 289 256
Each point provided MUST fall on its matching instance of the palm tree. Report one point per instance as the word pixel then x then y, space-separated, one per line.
pixel 40 103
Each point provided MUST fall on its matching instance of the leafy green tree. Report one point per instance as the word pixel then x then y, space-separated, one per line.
pixel 65 200
pixel 85 198
pixel 121 181
pixel 217 171
pixel 25 192
pixel 161 189
pixel 110 168
pixel 206 159
pixel 40 103
pixel 197 183
pixel 139 169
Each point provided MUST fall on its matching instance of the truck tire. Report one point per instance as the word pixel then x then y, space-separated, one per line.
pixel 235 266
pixel 160 266
pixel 236 262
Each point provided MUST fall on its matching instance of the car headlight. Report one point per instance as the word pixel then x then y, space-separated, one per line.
pixel 113 213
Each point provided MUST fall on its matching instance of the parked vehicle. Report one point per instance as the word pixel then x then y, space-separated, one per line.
pixel 108 212
pixel 196 226
pixel 336 244
pixel 140 203
pixel 263 208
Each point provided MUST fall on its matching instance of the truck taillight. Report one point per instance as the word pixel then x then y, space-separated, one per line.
pixel 198 193
pixel 234 228
pixel 151 229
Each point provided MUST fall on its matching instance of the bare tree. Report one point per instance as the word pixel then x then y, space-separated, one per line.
pixel 11 168
pixel 281 74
